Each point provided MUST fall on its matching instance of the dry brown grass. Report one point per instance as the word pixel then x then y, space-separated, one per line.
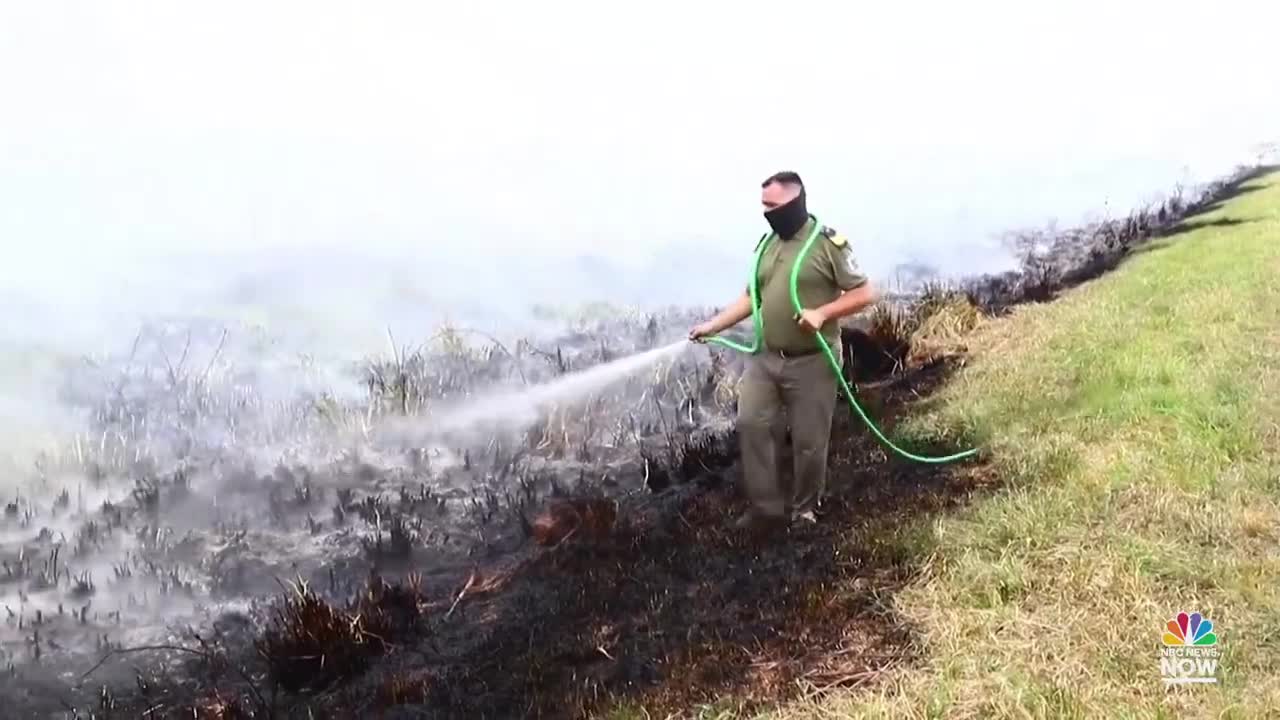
pixel 944 328
pixel 896 335
pixel 890 326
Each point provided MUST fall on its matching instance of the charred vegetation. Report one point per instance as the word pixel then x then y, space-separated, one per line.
pixel 543 570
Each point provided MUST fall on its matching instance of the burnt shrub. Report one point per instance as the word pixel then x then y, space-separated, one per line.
pixel 310 644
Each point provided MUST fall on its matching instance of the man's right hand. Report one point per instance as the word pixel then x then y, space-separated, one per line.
pixel 700 332
pixel 737 312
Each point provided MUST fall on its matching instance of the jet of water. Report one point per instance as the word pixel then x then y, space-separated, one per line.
pixel 513 408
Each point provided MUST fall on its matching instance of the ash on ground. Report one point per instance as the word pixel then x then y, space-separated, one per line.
pixel 236 538
pixel 199 490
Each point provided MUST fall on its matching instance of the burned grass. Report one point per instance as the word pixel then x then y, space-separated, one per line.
pixel 649 597
pixel 674 608
pixel 309 644
pixel 659 601
pixel 1054 260
pixel 581 562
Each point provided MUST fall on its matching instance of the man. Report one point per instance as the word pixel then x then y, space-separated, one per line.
pixel 789 380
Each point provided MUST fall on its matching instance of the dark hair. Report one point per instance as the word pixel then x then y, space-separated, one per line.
pixel 785 177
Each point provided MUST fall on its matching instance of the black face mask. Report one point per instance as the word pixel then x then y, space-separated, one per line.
pixel 786 220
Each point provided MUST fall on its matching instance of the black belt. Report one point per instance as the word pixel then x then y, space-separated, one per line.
pixel 796 354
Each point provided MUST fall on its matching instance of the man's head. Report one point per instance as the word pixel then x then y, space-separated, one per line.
pixel 779 189
pixel 783 197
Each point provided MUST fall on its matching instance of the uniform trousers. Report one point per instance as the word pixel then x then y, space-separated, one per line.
pixel 780 392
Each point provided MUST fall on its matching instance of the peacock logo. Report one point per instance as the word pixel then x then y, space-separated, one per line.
pixel 1193 629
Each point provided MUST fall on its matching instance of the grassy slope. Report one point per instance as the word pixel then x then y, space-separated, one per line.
pixel 1135 420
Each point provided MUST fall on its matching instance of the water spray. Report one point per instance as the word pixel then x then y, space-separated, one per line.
pixel 757 343
pixel 519 406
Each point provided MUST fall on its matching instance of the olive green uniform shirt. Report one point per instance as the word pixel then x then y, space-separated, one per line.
pixel 829 270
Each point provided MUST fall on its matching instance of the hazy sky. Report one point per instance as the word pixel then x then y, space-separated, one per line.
pixel 330 169
pixel 427 130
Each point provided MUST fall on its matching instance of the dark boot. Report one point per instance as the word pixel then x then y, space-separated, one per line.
pixel 757 524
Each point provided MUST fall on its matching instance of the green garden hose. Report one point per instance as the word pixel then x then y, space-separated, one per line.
pixel 757 343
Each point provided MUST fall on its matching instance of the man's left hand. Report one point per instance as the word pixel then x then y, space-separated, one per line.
pixel 812 320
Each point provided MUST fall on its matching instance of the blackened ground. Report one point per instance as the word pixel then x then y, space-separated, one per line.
pixel 670 608
pixel 676 607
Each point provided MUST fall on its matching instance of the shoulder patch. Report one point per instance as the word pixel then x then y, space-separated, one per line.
pixel 836 238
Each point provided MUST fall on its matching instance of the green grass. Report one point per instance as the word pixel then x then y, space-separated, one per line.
pixel 1135 424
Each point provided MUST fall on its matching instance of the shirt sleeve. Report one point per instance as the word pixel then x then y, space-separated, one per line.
pixel 844 266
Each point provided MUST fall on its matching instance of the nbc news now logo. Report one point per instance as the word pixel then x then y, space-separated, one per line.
pixel 1190 653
